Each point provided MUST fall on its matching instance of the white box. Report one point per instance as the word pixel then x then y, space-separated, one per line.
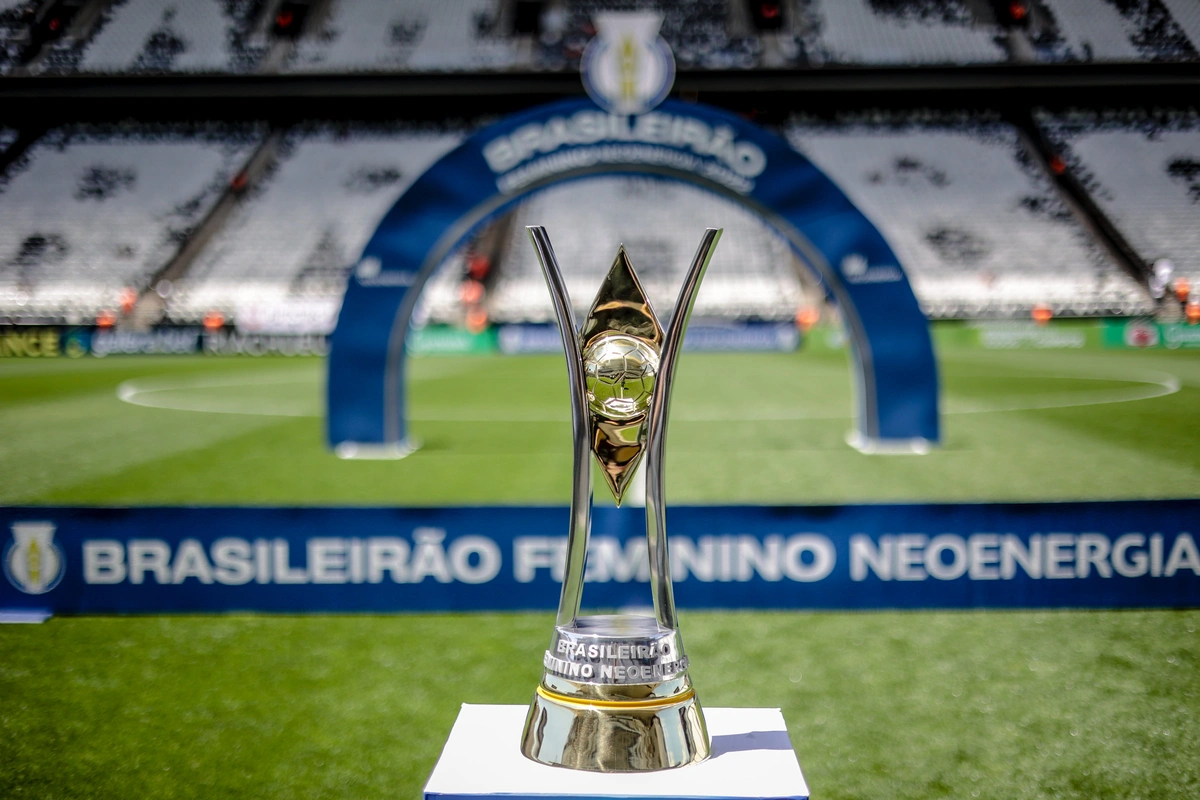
pixel 752 757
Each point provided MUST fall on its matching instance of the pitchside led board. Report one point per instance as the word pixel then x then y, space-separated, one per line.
pixel 151 560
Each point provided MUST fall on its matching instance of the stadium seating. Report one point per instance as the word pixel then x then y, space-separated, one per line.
pixel 14 33
pixel 1099 30
pixel 980 231
pixel 293 237
pixel 174 36
pixel 371 36
pixel 866 32
pixel 700 33
pixel 91 211
pixel 753 274
pixel 385 35
pixel 1144 173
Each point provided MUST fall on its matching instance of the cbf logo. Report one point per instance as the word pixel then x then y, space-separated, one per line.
pixel 628 68
pixel 33 562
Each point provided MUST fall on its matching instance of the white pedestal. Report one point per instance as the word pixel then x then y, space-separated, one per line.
pixel 752 759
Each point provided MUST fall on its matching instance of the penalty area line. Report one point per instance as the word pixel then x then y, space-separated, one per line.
pixel 149 393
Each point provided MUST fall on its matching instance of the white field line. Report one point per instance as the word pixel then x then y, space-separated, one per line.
pixel 149 393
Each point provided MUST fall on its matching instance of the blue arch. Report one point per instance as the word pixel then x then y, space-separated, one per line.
pixel 896 374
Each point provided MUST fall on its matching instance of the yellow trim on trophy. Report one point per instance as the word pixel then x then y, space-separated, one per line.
pixel 655 702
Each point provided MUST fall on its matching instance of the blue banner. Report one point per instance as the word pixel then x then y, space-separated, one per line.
pixel 150 560
pixel 715 150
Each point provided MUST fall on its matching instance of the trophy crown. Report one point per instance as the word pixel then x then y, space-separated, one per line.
pixel 621 344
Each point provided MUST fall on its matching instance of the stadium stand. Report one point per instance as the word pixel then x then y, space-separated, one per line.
pixel 386 35
pixel 979 229
pixel 14 28
pixel 168 36
pixel 1143 171
pixel 287 247
pixel 382 36
pixel 1186 14
pixel 92 211
pixel 925 32
pixel 701 33
pixel 753 275
pixel 1100 30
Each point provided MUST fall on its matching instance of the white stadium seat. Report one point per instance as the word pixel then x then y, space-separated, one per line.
pixel 90 211
pixel 1145 175
pixel 979 230
pixel 295 236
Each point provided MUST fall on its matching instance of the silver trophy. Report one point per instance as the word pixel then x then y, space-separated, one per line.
pixel 615 694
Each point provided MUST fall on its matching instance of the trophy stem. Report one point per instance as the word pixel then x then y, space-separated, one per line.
pixel 581 482
pixel 656 508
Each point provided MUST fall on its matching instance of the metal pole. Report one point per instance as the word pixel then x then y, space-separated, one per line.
pixel 581 483
pixel 656 508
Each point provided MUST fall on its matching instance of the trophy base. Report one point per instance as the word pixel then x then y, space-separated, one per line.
pixel 752 759
pixel 615 736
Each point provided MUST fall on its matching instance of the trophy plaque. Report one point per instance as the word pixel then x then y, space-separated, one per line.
pixel 615 695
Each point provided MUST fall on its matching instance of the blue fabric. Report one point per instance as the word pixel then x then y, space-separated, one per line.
pixel 693 143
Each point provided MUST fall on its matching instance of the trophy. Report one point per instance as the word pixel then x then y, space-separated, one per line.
pixel 615 694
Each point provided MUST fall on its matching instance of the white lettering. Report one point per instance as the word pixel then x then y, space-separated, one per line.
pixel 487 555
pixel 191 562
pixel 429 557
pixel 327 560
pixel 1183 555
pixel 864 554
pixel 531 553
pixel 387 554
pixel 1091 550
pixel 1013 552
pixel 103 561
pixel 525 140
pixel 358 561
pixel 985 555
pixel 908 557
pixel 232 561
pixel 745 159
pixel 688 557
pixel 262 561
pixel 761 558
pixel 936 566
pixel 149 555
pixel 824 556
pixel 500 155
pixel 1140 562
pixel 1059 556
pixel 284 572
pixel 726 546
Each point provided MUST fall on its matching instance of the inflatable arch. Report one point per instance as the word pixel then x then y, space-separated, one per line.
pixel 894 366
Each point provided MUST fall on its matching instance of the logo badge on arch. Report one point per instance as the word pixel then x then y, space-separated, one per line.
pixel 628 68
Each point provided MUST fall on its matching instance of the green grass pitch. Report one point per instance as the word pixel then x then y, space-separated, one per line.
pixel 929 705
